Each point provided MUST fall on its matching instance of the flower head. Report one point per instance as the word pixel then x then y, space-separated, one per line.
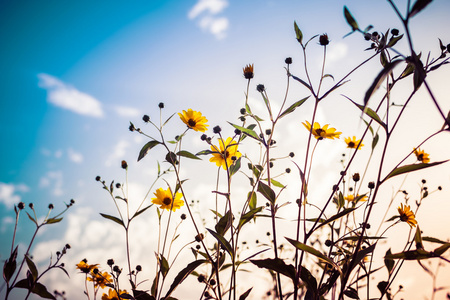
pixel 352 143
pixel 84 267
pixel 165 199
pixel 100 279
pixel 248 71
pixel 323 39
pixel 406 215
pixel 421 155
pixel 112 294
pixel 223 155
pixel 194 120
pixel 322 132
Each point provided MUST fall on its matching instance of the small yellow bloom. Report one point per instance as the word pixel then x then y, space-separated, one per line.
pixel 194 120
pixel 100 279
pixel 248 71
pixel 421 155
pixel 112 295
pixel 226 155
pixel 406 215
pixel 322 132
pixel 84 267
pixel 353 143
pixel 351 198
pixel 165 199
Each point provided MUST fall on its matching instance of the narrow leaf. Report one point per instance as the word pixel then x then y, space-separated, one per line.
pixel 114 219
pixel 246 131
pixel 245 218
pixel 245 295
pixel 302 82
pixel 277 265
pixel 440 250
pixel 337 216
pixel 298 33
pixel 53 220
pixel 350 20
pixel 41 290
pixel 252 200
pixel 147 148
pixel 32 267
pixel 234 168
pixel 141 211
pixel 379 79
pixel 291 108
pixel 267 192
pixel 314 252
pixel 411 168
pixel 224 223
pixel 417 7
pixel 164 266
pixel 223 242
pixel 187 154
pixel 369 112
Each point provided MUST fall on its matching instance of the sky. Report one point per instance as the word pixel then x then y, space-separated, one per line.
pixel 74 74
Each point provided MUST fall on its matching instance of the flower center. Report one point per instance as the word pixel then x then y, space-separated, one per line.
pixel 420 157
pixel 225 154
pixel 191 123
pixel 403 217
pixel 351 145
pixel 320 132
pixel 167 201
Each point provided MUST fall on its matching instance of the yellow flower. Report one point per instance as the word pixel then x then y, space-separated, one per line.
pixel 194 120
pixel 422 156
pixel 353 143
pixel 351 198
pixel 406 215
pixel 248 71
pixel 112 295
pixel 322 132
pixel 226 155
pixel 100 279
pixel 84 267
pixel 165 199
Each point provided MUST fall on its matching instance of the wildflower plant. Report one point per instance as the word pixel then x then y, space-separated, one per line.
pixel 331 248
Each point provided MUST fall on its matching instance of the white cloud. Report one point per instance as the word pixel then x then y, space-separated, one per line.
pixel 8 193
pixel 74 156
pixel 207 11
pixel 5 223
pixel 67 97
pixel 53 179
pixel 118 153
pixel 125 111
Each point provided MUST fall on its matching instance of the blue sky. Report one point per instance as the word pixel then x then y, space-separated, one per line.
pixel 74 74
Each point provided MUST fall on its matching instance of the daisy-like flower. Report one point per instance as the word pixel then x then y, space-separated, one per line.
pixel 353 143
pixel 406 215
pixel 165 200
pixel 112 294
pixel 225 154
pixel 321 133
pixel 194 120
pixel 351 198
pixel 248 71
pixel 100 279
pixel 84 267
pixel 422 156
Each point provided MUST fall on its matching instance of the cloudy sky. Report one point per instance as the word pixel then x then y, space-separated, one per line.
pixel 74 74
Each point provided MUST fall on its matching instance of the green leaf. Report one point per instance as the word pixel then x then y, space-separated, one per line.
pixel 147 148
pixel 204 152
pixel 171 158
pixel 53 220
pixel 141 295
pixel 363 253
pixel 389 262
pixel 32 267
pixel 411 168
pixel 168 119
pixel 222 241
pixel 246 131
pixel 252 200
pixel 291 108
pixel 187 154
pixel 418 239
pixel 411 255
pixel 433 240
pixel 277 265
pixel 351 293
pixel 383 59
pixel 276 183
pixel 393 40
pixel 234 168
pixel 245 295
pixel 310 280
pixel 417 7
pixel 114 219
pixel 126 296
pixel 41 290
pixel 302 82
pixel 337 216
pixel 440 250
pixel 298 33
pixel 375 140
pixel 224 223
pixel 141 211
pixel 10 265
pixel 32 219
pixel 164 266
pixel 350 20
pixel 368 111
pixel 379 79
pixel 267 192
pixel 245 218
pixel 314 252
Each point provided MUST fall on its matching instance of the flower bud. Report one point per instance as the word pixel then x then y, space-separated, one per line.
pixel 21 205
pixel 288 60
pixel 110 262
pixel 98 178
pixel 217 129
pixel 356 177
pixel 161 105
pixel 243 111
pixel 260 88
pixel 394 31
pixel 371 185
pixel 199 237
pixel 146 118
pixel 323 39
pixel 124 165
pixel 50 206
